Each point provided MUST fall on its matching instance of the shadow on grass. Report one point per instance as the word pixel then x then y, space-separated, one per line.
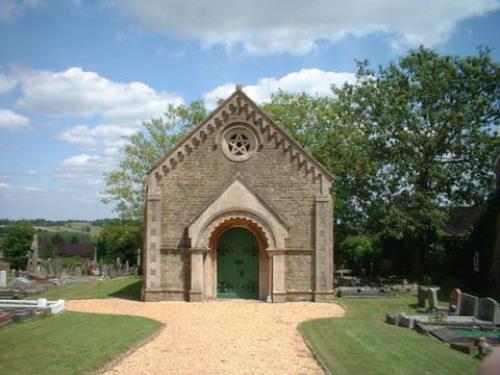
pixel 130 292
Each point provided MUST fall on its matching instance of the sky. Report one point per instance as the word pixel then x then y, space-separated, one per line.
pixel 77 76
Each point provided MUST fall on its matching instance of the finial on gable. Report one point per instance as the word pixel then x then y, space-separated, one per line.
pixel 239 87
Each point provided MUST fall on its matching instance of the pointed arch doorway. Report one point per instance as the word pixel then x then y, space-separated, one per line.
pixel 238 264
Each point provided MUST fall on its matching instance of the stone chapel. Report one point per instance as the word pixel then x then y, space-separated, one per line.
pixel 238 209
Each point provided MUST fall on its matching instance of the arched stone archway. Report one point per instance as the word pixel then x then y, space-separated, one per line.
pixel 210 264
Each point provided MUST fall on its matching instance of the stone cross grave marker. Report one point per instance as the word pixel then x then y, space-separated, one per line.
pixel 455 301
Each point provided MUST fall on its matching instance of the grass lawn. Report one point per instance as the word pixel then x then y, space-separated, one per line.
pixel 70 343
pixel 362 344
pixel 122 287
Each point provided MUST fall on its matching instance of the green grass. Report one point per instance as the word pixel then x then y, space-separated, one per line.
pixel 362 344
pixel 122 287
pixel 70 343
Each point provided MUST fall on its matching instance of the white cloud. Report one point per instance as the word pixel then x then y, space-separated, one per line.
pixel 13 9
pixel 83 170
pixel 4 185
pixel 107 138
pixel 79 160
pixel 295 26
pixel 33 189
pixel 78 93
pixel 118 108
pixel 311 81
pixel 12 121
pixel 7 83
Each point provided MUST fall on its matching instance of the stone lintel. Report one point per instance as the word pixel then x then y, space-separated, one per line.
pixel 154 197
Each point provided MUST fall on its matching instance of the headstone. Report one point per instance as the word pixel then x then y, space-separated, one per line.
pixel 489 310
pixel 421 295
pixel 3 279
pixel 433 299
pixel 21 283
pixel 469 305
pixel 455 301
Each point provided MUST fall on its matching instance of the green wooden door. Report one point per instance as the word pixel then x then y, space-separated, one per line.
pixel 237 265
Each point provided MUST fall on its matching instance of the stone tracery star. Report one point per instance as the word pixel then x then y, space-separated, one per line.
pixel 239 144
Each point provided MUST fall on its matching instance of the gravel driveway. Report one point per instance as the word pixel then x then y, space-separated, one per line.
pixel 219 337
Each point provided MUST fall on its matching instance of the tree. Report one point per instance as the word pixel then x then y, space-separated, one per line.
pixel 120 239
pixel 74 239
pixel 431 122
pixel 56 238
pixel 125 186
pixel 333 137
pixel 18 243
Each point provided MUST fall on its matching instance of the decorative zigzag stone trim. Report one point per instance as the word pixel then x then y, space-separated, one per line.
pixel 239 108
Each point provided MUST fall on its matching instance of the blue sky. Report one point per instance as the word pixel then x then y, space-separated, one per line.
pixel 77 76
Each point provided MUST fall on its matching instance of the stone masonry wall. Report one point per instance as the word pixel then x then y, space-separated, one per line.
pixel 270 172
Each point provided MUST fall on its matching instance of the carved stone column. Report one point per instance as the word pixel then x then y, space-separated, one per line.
pixel 323 290
pixel 278 275
pixel 197 271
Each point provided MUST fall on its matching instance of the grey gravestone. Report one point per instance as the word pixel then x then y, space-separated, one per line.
pixel 3 279
pixel 469 305
pixel 488 310
pixel 455 301
pixel 20 283
pixel 421 295
pixel 433 299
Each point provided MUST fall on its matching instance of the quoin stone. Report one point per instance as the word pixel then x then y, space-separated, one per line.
pixel 238 209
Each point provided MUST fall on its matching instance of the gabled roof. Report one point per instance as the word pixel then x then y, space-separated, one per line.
pixel 239 107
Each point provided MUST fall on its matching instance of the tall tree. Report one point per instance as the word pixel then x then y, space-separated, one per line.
pixel 333 137
pixel 125 185
pixel 432 123
pixel 119 239
pixel 18 243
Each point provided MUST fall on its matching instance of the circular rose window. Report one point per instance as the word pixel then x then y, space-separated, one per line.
pixel 238 144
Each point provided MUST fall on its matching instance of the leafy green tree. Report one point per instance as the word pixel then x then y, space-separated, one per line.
pixel 119 239
pixel 56 239
pixel 334 138
pixel 359 251
pixel 74 239
pixel 18 243
pixel 431 122
pixel 125 186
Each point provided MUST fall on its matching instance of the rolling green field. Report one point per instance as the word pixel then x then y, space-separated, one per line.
pixel 362 344
pixel 70 343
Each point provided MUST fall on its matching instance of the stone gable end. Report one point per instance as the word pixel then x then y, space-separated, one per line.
pixel 238 169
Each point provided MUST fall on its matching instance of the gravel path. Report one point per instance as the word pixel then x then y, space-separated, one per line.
pixel 219 337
